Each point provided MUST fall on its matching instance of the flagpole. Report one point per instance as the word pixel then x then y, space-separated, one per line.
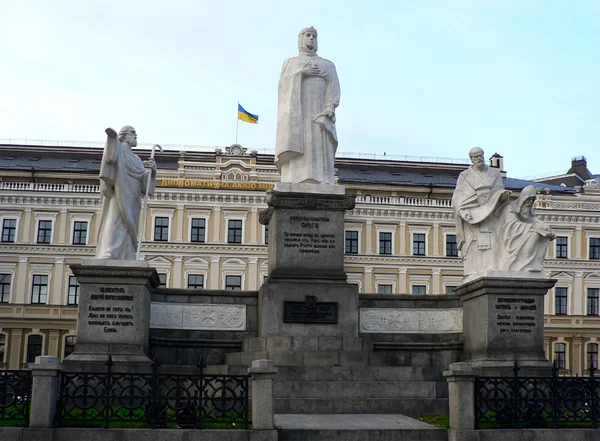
pixel 237 124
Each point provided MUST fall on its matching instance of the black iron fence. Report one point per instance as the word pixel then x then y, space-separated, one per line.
pixel 552 401
pixel 15 397
pixel 155 400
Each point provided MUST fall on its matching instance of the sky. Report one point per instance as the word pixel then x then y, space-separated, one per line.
pixel 420 78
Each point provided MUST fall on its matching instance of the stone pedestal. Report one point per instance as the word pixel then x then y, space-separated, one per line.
pixel 263 373
pixel 114 314
pixel 44 392
pixel 307 293
pixel 503 320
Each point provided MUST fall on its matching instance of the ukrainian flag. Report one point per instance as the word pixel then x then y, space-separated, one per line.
pixel 246 116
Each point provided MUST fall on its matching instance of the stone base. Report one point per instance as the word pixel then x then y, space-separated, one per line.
pixel 306 234
pixel 115 263
pixel 114 314
pixel 291 187
pixel 503 321
pixel 273 294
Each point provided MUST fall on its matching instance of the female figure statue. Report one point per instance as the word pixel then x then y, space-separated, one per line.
pixel 309 92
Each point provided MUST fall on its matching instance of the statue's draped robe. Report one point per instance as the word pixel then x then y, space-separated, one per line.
pixel 122 185
pixel 306 138
pixel 478 194
pixel 524 238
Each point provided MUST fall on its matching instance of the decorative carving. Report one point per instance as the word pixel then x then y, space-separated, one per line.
pixel 264 216
pixel 410 320
pixel 206 317
pixel 310 202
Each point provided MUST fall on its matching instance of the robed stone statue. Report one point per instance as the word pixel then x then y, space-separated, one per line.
pixel 309 92
pixel 494 234
pixel 123 181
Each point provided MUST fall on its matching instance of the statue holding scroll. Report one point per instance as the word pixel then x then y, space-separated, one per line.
pixel 494 234
pixel 309 92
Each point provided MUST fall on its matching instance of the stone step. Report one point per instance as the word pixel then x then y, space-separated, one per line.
pixel 363 434
pixel 366 427
pixel 302 343
pixel 301 358
pixel 359 389
pixel 351 373
pixel 412 407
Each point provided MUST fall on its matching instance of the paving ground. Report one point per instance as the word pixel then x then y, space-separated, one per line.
pixel 348 422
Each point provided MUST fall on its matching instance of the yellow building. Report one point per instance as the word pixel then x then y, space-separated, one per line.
pixel 202 231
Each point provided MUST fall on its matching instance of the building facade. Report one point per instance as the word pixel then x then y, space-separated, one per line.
pixel 202 232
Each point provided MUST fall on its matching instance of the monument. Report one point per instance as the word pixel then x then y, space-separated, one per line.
pixel 307 293
pixel 503 246
pixel 114 305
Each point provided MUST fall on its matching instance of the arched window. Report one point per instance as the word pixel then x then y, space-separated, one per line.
pixel 34 347
pixel 592 355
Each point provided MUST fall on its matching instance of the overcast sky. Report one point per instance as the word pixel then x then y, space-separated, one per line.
pixel 426 77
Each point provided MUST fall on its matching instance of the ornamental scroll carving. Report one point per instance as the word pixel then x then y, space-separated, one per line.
pixel 410 320
pixel 198 317
pixel 310 201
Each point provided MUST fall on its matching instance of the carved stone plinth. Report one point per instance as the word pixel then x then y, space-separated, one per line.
pixel 307 293
pixel 503 320
pixel 114 314
pixel 306 235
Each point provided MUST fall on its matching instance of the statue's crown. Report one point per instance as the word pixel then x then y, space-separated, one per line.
pixel 307 30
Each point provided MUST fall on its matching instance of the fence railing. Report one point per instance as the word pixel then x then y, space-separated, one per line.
pixel 43 186
pixel 154 400
pixel 15 397
pixel 554 401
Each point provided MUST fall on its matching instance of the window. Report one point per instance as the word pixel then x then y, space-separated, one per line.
pixel 9 230
pixel 592 301
pixel 561 247
pixel 419 289
pixel 384 289
pixel 162 279
pixel 34 347
pixel 451 246
pixel 73 296
pixel 385 243
pixel 195 281
pixel 592 356
pixel 70 341
pixel 560 301
pixel 234 232
pixel 2 348
pixel 198 230
pixel 352 242
pixel 266 235
pixel 233 283
pixel 5 280
pixel 44 231
pixel 80 232
pixel 594 248
pixel 39 289
pixel 560 355
pixel 449 289
pixel 161 229
pixel 418 244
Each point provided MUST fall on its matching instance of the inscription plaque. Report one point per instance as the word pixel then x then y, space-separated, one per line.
pixel 310 311
pixel 516 315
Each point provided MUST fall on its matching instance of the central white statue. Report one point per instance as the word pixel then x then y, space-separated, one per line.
pixel 309 92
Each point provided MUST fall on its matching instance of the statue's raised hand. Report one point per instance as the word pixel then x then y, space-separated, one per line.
pixel 111 133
